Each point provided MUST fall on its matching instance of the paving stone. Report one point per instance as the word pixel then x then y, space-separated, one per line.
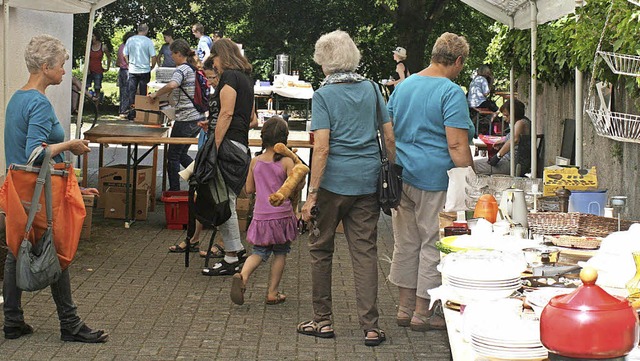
pixel 154 308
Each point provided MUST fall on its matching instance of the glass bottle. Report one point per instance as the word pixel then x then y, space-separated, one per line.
pixel 633 285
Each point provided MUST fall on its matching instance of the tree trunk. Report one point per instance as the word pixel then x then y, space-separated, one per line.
pixel 415 21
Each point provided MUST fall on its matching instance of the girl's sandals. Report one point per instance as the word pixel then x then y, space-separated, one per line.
pixel 376 340
pixel 274 301
pixel 216 251
pixel 193 247
pixel 322 329
pixel 403 318
pixel 237 289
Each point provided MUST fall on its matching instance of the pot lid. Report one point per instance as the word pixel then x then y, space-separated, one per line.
pixel 589 296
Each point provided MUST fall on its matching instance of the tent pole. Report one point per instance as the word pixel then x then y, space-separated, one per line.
pixel 5 83
pixel 512 122
pixel 85 70
pixel 579 106
pixel 534 89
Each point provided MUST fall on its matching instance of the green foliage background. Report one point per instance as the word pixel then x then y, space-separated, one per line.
pixel 270 27
pixel 572 42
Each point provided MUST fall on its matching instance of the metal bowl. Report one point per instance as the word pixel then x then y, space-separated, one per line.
pixel 538 256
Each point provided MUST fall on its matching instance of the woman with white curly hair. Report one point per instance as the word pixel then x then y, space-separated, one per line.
pixel 344 174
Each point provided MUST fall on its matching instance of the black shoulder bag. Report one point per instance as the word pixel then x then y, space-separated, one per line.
pixel 390 178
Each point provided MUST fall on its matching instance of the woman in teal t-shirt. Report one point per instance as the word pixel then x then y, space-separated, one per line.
pixel 30 122
pixel 433 131
pixel 344 174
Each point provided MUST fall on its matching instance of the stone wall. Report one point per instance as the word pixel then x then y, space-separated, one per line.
pixel 617 162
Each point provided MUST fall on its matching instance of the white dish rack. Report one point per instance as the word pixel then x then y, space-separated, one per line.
pixel 621 63
pixel 164 74
pixel 614 125
pixel 618 126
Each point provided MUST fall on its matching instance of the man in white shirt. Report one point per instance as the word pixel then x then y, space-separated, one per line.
pixel 204 42
pixel 141 57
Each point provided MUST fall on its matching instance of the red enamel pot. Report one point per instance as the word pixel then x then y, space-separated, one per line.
pixel 589 323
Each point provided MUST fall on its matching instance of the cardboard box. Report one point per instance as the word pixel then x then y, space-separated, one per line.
pixel 243 207
pixel 243 224
pixel 85 234
pixel 89 201
pixel 116 175
pixel 115 206
pixel 148 112
pixel 569 177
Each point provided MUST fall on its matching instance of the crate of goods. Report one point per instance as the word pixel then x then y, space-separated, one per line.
pixel 570 178
pixel 574 224
pixel 176 208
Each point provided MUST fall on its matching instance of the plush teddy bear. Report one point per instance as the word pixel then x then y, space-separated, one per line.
pixel 294 178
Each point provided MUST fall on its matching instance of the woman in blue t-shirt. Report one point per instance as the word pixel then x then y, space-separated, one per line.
pixel 344 175
pixel 30 122
pixel 433 131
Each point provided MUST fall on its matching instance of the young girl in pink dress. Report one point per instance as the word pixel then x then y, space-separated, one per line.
pixel 272 228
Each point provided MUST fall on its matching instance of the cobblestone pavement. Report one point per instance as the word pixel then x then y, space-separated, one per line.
pixel 154 308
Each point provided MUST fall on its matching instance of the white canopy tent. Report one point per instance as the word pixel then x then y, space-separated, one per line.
pixel 525 14
pixel 56 6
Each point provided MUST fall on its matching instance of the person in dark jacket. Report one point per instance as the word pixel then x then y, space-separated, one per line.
pixel 235 95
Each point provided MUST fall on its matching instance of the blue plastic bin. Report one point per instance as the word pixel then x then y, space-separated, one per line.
pixel 592 202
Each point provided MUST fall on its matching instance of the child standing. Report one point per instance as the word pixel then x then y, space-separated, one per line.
pixel 272 228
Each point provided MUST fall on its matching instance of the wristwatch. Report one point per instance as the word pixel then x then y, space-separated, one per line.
pixel 313 190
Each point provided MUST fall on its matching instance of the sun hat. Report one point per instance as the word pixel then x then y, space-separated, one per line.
pixel 401 51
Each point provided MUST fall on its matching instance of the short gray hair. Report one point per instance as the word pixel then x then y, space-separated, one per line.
pixel 336 52
pixel 44 49
pixel 448 48
pixel 143 28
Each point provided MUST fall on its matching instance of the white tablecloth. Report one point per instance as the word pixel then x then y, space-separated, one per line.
pixel 287 92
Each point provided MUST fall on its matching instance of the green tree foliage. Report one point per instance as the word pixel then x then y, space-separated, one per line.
pixel 566 44
pixel 270 27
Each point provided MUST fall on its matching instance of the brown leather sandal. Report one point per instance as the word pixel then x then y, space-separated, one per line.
pixel 406 320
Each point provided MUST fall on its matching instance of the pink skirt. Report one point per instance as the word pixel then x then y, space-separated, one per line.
pixel 272 231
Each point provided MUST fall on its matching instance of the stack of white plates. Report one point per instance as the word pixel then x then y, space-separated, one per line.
pixel 484 289
pixel 515 339
pixel 482 275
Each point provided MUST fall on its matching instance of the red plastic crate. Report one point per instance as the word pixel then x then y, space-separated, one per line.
pixel 176 208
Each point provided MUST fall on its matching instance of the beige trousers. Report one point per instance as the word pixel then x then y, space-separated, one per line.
pixel 415 230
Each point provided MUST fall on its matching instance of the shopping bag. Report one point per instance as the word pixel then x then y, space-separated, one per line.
pixel 37 265
pixel 67 208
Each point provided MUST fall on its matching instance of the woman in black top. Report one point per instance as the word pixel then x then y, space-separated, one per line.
pixel 235 94
pixel 402 72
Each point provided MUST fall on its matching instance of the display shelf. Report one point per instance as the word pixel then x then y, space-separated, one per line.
pixel 618 126
pixel 621 63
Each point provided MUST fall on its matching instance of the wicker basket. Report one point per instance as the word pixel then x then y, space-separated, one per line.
pixel 574 241
pixel 554 223
pixel 574 224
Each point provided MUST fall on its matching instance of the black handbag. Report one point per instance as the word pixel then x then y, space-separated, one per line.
pixel 37 266
pixel 390 178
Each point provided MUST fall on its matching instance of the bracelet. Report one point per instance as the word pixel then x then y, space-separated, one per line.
pixel 312 190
